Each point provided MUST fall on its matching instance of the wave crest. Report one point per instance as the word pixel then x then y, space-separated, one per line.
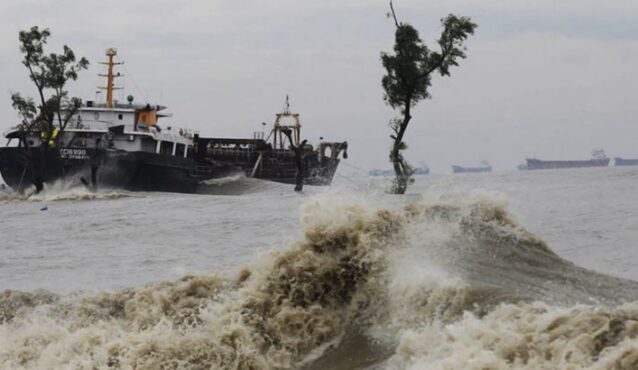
pixel 275 317
pixel 526 336
pixel 443 284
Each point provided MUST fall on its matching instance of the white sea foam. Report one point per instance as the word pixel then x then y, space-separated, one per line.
pixel 441 285
pixel 61 191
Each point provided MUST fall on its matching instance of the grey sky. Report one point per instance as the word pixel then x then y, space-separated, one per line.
pixel 553 79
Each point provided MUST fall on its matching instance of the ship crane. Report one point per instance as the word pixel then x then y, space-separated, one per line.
pixel 280 127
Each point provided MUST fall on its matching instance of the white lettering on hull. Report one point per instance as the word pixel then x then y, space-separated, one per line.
pixel 70 153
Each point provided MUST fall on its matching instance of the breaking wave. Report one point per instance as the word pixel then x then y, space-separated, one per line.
pixel 525 336
pixel 441 286
pixel 223 180
pixel 60 191
pixel 9 197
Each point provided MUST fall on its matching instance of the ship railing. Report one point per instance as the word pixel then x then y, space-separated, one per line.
pixel 247 152
pixel 282 153
pixel 233 152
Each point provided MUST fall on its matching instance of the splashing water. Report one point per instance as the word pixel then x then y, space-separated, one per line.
pixel 61 191
pixel 433 285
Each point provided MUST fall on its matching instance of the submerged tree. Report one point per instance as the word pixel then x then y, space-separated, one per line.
pixel 409 70
pixel 50 74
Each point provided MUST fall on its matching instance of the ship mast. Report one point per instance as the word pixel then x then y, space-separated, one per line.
pixel 110 76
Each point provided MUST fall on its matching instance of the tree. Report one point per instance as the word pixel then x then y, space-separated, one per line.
pixel 409 75
pixel 50 74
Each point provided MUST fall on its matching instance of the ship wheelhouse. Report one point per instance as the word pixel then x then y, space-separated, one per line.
pixel 128 127
pixel 106 144
pixel 112 125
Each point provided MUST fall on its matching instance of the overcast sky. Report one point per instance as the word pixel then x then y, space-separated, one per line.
pixel 551 79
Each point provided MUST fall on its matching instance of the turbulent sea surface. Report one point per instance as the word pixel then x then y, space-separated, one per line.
pixel 519 270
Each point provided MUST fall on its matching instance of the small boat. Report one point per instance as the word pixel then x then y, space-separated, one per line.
pixel 421 171
pixel 378 172
pixel 484 167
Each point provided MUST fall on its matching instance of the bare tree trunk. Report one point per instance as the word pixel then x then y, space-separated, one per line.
pixel 400 180
pixel 401 170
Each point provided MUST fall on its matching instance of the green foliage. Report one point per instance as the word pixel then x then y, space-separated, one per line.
pixel 25 106
pixel 409 75
pixel 49 73
pixel 410 67
pixel 407 79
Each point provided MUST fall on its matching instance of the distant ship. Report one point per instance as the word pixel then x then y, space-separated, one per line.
pixel 484 167
pixel 378 172
pixel 599 159
pixel 625 162
pixel 417 171
pixel 421 171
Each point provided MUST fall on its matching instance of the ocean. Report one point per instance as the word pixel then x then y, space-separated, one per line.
pixel 510 270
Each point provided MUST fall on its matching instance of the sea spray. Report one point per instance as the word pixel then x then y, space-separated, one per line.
pixel 437 284
pixel 13 303
pixel 525 336
pixel 271 318
pixel 59 191
pixel 10 197
pixel 494 296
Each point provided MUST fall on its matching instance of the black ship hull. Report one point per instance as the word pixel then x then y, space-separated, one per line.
pixel 22 168
pixel 625 162
pixel 284 170
pixel 537 164
pixel 257 159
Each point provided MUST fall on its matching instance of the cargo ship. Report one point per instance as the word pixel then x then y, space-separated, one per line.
pixel 484 167
pixel 625 162
pixel 599 159
pixel 115 145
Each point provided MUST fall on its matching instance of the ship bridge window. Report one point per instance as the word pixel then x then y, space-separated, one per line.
pixel 179 151
pixel 327 151
pixel 166 147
